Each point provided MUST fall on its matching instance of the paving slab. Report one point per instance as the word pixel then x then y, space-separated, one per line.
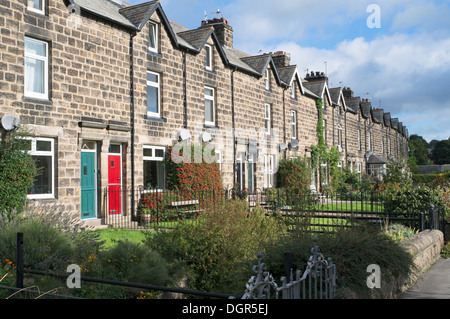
pixel 435 284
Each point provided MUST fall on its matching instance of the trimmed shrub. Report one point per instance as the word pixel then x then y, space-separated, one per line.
pixel 17 174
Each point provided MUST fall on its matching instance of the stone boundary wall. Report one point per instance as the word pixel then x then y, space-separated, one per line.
pixel 426 248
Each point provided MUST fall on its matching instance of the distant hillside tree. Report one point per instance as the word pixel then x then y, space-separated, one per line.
pixel 418 149
pixel 441 152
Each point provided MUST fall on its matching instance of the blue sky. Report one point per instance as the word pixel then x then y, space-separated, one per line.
pixel 403 66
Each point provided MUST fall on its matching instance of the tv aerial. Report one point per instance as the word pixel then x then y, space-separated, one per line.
pixel 10 122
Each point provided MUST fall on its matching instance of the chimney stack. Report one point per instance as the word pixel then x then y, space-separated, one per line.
pixel 223 30
pixel 347 92
pixel 316 76
pixel 281 59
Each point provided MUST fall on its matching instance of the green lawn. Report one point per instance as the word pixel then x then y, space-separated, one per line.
pixel 112 235
pixel 351 207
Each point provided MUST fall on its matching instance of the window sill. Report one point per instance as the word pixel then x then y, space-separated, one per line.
pixel 36 12
pixel 154 53
pixel 210 126
pixel 37 100
pixel 155 119
pixel 41 197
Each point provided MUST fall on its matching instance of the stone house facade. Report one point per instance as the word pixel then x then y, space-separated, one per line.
pixel 104 88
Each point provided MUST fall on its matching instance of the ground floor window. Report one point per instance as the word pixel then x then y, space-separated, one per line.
pixel 154 171
pixel 269 171
pixel 240 171
pixel 43 153
pixel 377 170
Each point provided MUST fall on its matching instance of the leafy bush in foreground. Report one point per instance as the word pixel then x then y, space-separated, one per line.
pixel 217 247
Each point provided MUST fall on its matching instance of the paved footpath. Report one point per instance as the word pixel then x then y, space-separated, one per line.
pixel 435 284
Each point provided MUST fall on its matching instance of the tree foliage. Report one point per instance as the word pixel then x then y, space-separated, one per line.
pixel 17 173
pixel 441 152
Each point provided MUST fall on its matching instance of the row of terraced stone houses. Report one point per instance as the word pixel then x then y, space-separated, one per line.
pixel 104 89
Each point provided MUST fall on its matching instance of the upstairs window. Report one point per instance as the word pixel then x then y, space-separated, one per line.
pixel 268 118
pixel 36 68
pixel 209 106
pixel 153 43
pixel 37 6
pixel 294 124
pixel 293 92
pixel 339 135
pixel 209 57
pixel 267 79
pixel 153 95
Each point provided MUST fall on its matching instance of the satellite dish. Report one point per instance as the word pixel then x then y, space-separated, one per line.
pixel 206 137
pixel 294 144
pixel 10 122
pixel 283 146
pixel 185 135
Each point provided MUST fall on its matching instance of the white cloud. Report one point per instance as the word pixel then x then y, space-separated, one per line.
pixel 407 73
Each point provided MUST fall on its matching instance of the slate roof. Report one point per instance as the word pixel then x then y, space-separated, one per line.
pixel 377 115
pixel 287 73
pixel 365 109
pixel 138 14
pixel 376 159
pixel 353 104
pixel 387 119
pixel 394 123
pixel 258 62
pixel 106 9
pixel 335 94
pixel 196 38
pixel 316 87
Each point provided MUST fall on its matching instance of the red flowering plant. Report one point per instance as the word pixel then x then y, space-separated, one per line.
pixel 192 171
pixel 191 175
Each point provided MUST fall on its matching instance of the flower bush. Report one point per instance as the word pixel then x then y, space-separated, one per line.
pixel 188 179
pixel 191 174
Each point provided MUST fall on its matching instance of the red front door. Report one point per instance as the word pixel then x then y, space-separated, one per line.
pixel 115 184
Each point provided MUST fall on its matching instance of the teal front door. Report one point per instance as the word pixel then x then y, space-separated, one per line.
pixel 88 186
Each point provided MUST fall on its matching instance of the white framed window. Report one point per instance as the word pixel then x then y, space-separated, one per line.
pixel 269 162
pixel 154 172
pixel 153 38
pixel 42 150
pixel 359 139
pixel 293 91
pixel 339 131
pixel 325 137
pixel 37 6
pixel 209 57
pixel 153 94
pixel 294 124
pixel 358 167
pixel 268 118
pixel 36 68
pixel 369 146
pixel 210 107
pixel 389 146
pixel 240 170
pixel 267 79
